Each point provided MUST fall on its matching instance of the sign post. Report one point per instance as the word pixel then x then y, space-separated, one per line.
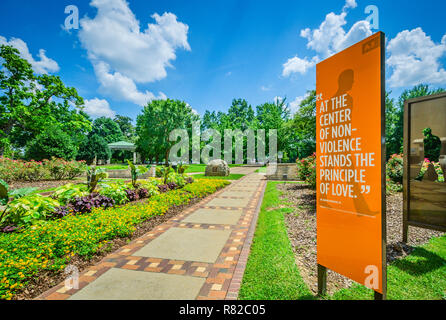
pixel 351 183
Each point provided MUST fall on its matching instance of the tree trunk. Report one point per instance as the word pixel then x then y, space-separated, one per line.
pixel 167 157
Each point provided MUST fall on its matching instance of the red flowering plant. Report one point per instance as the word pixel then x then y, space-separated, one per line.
pixel 307 170
pixel 394 168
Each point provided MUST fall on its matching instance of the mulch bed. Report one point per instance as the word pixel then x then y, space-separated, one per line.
pixel 45 280
pixel 301 228
pixel 42 185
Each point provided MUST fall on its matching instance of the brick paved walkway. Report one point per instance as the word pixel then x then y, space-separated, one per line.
pixel 198 254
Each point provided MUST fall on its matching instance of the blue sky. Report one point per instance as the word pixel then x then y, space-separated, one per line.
pixel 209 52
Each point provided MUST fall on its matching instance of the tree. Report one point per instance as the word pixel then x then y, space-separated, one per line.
pixel 303 126
pixel 52 142
pixel 107 129
pixel 240 115
pixel 93 146
pixel 158 119
pixel 31 103
pixel 126 126
pixel 272 116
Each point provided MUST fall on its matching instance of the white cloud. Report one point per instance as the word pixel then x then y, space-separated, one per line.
pixel 265 88
pixel 42 66
pixel 120 87
pixel 298 65
pixel 277 99
pixel 295 104
pixel 98 108
pixel 350 4
pixel 331 37
pixel 415 58
pixel 328 39
pixel 123 54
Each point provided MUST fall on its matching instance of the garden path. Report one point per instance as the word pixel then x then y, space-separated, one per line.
pixel 199 254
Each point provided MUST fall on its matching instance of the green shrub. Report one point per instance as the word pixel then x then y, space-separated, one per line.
pixel 68 192
pixel 93 146
pixel 53 142
pixel 29 209
pixel 306 170
pixel 56 168
pixel 115 191
pixel 395 168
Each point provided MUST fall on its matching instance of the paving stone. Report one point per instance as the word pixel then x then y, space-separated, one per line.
pixel 214 216
pixel 237 194
pixel 117 284
pixel 221 202
pixel 187 244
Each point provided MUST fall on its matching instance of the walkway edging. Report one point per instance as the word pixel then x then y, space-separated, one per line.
pixel 237 277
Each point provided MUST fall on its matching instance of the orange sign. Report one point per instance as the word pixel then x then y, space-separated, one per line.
pixel 350 156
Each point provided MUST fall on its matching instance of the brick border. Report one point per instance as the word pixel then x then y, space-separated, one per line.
pixel 237 278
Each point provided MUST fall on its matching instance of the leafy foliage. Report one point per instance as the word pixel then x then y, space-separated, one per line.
pixel 115 191
pixel 395 169
pixel 306 170
pixel 94 176
pixel 93 147
pixel 69 191
pixel 136 171
pixel 30 104
pixel 52 142
pixel 158 119
pixel 29 209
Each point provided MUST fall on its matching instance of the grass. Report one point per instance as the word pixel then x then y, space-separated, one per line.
pixel 191 167
pixel 261 170
pixel 271 273
pixel 419 276
pixel 232 176
pixel 202 167
pixel 115 167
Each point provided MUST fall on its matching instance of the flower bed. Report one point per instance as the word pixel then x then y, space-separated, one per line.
pixel 50 245
pixel 56 169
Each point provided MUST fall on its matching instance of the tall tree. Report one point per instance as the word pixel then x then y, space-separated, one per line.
pixel 107 129
pixel 126 126
pixel 31 103
pixel 273 116
pixel 158 119
pixel 303 126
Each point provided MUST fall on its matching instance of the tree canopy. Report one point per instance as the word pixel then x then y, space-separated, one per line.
pixel 30 103
pixel 157 120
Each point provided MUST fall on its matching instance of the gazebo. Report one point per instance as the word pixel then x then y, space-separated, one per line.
pixel 125 146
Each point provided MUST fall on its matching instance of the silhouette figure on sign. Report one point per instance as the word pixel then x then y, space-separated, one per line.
pixel 432 148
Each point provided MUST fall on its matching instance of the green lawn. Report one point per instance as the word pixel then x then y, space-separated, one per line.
pixel 191 167
pixel 196 168
pixel 271 272
pixel 202 167
pixel 115 167
pixel 420 276
pixel 261 170
pixel 232 176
